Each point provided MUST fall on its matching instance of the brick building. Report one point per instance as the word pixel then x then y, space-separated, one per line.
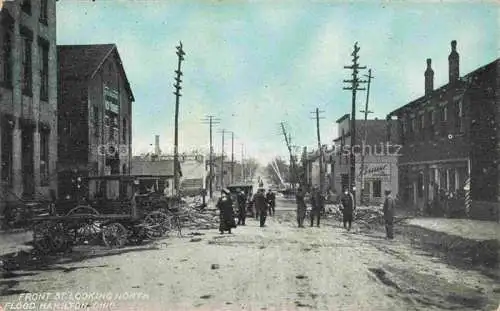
pixel 28 100
pixel 450 135
pixel 95 114
pixel 377 151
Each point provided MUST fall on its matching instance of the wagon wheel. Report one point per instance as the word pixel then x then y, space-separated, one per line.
pixel 156 224
pixel 114 235
pixel 89 230
pixel 83 210
pixel 50 237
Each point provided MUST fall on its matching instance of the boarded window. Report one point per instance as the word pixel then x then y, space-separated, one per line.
pixel 377 188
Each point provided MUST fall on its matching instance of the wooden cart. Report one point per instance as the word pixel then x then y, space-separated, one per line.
pixel 113 217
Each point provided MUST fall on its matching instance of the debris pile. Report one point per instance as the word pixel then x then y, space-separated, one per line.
pixel 195 216
pixel 364 215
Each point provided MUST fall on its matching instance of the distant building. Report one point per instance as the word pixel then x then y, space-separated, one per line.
pixel 451 142
pixel 28 100
pixel 378 153
pixel 95 114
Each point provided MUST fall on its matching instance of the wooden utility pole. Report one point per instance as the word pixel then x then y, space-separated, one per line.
pixel 354 86
pixel 320 150
pixel 288 139
pixel 366 112
pixel 211 120
pixel 222 161
pixel 180 53
pixel 242 166
pixel 232 157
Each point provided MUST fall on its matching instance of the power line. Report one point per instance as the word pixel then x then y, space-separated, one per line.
pixel 317 117
pixel 366 112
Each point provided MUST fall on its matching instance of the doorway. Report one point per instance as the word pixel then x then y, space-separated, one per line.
pixel 27 163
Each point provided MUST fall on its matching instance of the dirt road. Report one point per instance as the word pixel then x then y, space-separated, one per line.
pixel 279 267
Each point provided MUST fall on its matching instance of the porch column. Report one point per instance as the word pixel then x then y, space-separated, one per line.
pixel 36 158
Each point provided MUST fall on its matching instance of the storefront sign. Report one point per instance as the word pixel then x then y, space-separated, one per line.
pixel 380 171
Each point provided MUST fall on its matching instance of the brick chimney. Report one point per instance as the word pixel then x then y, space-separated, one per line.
pixel 429 78
pixel 157 145
pixel 454 62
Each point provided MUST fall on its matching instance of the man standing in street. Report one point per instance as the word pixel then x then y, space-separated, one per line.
pixel 301 207
pixel 389 206
pixel 225 206
pixel 261 205
pixel 317 205
pixel 347 209
pixel 271 199
pixel 242 210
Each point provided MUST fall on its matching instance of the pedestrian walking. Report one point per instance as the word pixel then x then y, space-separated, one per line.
pixel 242 209
pixel 261 205
pixel 271 199
pixel 317 203
pixel 301 207
pixel 347 208
pixel 225 206
pixel 389 206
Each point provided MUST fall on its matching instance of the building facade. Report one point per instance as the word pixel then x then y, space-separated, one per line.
pixel 95 115
pixel 28 100
pixel 376 157
pixel 450 143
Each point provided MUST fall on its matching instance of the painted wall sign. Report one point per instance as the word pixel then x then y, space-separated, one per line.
pixel 380 171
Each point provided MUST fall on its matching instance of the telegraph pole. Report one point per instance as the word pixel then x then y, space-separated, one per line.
pixel 288 139
pixel 211 120
pixel 354 86
pixel 366 112
pixel 232 157
pixel 180 53
pixel 222 161
pixel 320 149
pixel 242 167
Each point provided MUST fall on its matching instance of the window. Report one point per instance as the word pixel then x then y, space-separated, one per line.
pixel 44 69
pixel 420 185
pixel 460 114
pixel 44 157
pixel 377 188
pixel 124 130
pixel 7 155
pixel 413 125
pixel 7 58
pixel 43 11
pixel 26 74
pixel 26 6
pixel 432 117
pixel 444 113
pixel 422 121
pixel 96 121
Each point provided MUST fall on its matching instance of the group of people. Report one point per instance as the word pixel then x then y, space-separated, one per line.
pixel 347 207
pixel 264 204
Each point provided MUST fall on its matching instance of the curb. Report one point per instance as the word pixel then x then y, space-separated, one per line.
pixel 475 252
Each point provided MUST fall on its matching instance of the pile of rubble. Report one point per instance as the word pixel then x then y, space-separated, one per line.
pixel 367 216
pixel 199 217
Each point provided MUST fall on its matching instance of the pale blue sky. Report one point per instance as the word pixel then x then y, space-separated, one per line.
pixel 254 64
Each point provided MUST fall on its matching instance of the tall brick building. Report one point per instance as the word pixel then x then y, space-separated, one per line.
pixel 95 115
pixel 450 135
pixel 28 100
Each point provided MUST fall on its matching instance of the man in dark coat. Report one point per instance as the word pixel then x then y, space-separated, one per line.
pixel 261 206
pixel 347 209
pixel 317 203
pixel 389 206
pixel 242 209
pixel 271 199
pixel 225 206
pixel 301 206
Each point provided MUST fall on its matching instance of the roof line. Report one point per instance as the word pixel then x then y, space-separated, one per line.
pixel 102 61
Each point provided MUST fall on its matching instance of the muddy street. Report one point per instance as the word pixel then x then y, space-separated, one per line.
pixel 279 267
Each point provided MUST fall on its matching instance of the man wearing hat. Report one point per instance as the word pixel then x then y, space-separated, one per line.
pixel 225 206
pixel 347 208
pixel 271 199
pixel 261 205
pixel 242 211
pixel 317 201
pixel 389 206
